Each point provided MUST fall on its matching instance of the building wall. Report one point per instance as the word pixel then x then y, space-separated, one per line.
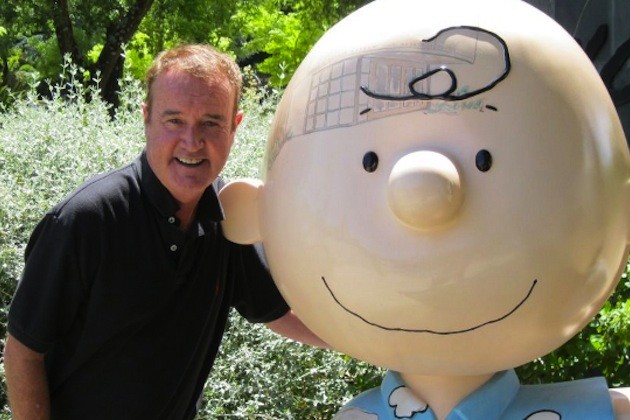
pixel 602 27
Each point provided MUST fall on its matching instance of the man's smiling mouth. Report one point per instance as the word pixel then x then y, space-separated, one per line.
pixel 189 162
pixel 429 331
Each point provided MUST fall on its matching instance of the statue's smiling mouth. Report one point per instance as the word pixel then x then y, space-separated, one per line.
pixel 430 331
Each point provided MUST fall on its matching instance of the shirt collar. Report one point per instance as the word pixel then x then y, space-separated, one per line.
pixel 487 402
pixel 208 211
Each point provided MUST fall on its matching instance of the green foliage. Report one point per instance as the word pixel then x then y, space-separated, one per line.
pixel 138 56
pixel 258 105
pixel 278 32
pixel 169 22
pixel 285 36
pixel 27 41
pixel 284 31
pixel 601 348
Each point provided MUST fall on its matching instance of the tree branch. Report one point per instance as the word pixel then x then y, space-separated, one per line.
pixel 64 31
pixel 110 61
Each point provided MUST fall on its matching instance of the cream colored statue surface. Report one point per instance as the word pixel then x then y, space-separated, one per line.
pixel 446 195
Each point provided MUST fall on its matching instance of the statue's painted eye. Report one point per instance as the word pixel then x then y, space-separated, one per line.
pixel 483 160
pixel 370 161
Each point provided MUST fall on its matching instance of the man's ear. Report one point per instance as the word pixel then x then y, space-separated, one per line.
pixel 145 113
pixel 239 200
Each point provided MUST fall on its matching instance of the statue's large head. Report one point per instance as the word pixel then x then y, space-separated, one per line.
pixel 447 187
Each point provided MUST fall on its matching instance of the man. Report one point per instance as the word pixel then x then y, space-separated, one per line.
pixel 129 280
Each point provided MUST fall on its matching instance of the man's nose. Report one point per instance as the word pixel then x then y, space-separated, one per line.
pixel 193 137
pixel 424 190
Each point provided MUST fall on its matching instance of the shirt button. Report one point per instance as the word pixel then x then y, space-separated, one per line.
pixel 173 248
pixel 171 220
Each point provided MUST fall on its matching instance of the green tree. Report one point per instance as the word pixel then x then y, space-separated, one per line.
pixel 120 20
pixel 18 22
pixel 601 348
pixel 171 21
pixel 278 34
pixel 39 33
pixel 108 36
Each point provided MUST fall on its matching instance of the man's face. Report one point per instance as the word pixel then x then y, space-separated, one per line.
pixel 190 128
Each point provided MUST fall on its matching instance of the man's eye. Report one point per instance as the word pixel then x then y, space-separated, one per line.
pixel 210 124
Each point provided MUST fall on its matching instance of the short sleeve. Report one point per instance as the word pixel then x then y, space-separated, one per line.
pixel 49 292
pixel 255 295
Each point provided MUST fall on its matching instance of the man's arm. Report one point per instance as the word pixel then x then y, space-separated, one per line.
pixel 621 402
pixel 290 326
pixel 26 381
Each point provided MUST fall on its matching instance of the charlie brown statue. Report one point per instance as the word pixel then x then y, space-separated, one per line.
pixel 446 195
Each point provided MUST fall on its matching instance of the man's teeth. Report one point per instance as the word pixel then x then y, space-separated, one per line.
pixel 189 161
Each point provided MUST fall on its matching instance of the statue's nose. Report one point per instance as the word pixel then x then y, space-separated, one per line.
pixel 424 190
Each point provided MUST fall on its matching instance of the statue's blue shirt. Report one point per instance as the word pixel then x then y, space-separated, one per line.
pixel 503 397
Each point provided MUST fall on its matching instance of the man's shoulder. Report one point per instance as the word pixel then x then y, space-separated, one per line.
pixel 101 193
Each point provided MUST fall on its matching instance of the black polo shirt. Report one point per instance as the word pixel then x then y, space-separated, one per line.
pixel 129 309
